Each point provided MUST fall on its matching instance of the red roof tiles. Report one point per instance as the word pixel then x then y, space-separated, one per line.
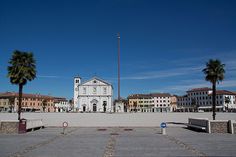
pixel 14 94
pixel 148 96
pixel 199 89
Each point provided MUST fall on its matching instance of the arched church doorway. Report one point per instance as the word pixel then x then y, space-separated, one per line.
pixel 94 107
pixel 104 106
pixel 84 108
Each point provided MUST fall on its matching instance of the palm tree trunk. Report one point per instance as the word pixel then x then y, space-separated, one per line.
pixel 20 101
pixel 214 100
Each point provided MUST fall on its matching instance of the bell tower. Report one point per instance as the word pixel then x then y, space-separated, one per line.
pixel 77 82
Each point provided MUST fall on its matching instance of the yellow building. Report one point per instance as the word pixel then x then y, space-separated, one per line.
pixel 4 105
pixel 140 103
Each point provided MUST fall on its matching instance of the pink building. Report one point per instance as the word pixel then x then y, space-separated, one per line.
pixel 30 102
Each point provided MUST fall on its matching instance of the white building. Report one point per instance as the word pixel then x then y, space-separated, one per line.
pixel 201 99
pixel 162 102
pixel 94 95
pixel 62 105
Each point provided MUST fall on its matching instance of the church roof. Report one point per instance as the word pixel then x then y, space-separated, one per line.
pixel 98 79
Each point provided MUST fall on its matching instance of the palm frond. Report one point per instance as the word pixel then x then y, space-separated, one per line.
pixel 22 67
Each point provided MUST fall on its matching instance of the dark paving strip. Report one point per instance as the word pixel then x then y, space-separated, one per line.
pixel 128 129
pixel 102 129
pixel 110 147
pixel 33 147
pixel 185 146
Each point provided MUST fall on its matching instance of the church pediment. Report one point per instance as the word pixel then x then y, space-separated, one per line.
pixel 95 81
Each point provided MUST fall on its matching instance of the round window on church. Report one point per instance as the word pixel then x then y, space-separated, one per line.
pixel 94 81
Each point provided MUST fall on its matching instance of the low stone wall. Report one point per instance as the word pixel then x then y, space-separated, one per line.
pixel 9 127
pixel 219 126
pixel 12 127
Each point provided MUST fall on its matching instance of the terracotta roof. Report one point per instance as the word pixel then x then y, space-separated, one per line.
pixel 139 96
pixel 58 99
pixel 199 89
pixel 160 94
pixel 224 92
pixel 148 96
pixel 14 94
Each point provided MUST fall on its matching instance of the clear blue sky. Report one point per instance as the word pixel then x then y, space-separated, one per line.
pixel 164 44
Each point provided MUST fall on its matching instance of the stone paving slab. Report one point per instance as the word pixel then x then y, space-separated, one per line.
pixel 117 142
pixel 210 144
pixel 148 145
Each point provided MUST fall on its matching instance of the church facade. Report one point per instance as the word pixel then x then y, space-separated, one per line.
pixel 94 95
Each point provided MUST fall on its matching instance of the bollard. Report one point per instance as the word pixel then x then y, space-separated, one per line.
pixel 163 128
pixel 163 131
pixel 64 125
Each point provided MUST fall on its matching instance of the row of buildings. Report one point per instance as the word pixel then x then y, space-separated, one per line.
pixel 33 103
pixel 96 95
pixel 196 100
pixel 154 102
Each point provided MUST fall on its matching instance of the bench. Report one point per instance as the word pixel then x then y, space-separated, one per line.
pixel 32 124
pixel 198 124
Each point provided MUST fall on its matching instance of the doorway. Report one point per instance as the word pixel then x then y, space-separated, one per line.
pixel 84 108
pixel 94 108
pixel 104 106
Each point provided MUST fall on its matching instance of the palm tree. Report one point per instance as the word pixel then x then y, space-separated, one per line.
pixel 214 72
pixel 227 101
pixel 22 69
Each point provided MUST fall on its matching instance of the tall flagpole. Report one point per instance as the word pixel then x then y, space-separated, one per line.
pixel 118 38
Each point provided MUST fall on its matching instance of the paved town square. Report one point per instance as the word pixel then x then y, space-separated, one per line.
pixel 117 134
pixel 116 141
pixel 117 78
